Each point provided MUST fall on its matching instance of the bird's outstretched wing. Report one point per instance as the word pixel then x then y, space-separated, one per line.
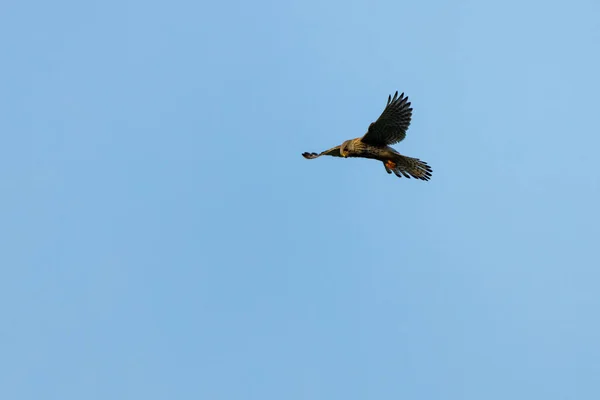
pixel 393 123
pixel 331 152
pixel 408 166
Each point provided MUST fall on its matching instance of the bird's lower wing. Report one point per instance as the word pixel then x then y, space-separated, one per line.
pixel 408 167
pixel 335 152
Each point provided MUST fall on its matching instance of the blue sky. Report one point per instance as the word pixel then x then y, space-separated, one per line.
pixel 163 238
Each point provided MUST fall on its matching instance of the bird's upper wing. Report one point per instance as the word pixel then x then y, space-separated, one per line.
pixel 331 152
pixel 393 123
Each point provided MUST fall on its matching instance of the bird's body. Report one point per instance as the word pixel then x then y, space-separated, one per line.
pixel 365 150
pixel 390 128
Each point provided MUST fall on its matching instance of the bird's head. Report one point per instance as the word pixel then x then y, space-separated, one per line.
pixel 346 147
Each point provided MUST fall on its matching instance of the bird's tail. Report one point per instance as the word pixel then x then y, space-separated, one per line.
pixel 408 166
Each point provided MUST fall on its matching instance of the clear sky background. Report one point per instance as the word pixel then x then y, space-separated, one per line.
pixel 162 237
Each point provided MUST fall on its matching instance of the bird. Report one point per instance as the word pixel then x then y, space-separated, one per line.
pixel 390 128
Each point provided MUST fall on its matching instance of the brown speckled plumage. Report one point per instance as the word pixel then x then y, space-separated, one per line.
pixel 389 128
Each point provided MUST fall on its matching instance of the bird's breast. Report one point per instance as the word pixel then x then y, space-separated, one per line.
pixel 374 152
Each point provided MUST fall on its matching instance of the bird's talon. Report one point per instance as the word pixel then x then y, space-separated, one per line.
pixel 390 164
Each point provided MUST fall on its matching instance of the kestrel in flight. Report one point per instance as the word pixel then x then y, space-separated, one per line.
pixel 389 128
